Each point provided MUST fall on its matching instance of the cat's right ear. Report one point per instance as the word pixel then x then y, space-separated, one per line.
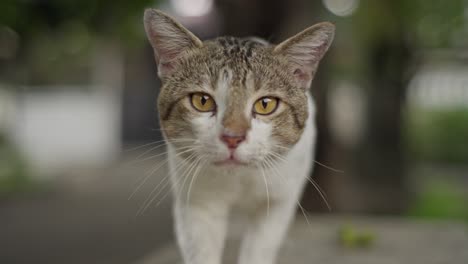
pixel 304 51
pixel 169 39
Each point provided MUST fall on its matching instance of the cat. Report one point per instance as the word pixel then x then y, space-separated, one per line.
pixel 238 120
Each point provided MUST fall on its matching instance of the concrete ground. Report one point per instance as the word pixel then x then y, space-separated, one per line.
pixel 396 241
pixel 85 218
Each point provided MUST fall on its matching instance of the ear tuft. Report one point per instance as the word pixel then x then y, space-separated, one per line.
pixel 169 39
pixel 304 51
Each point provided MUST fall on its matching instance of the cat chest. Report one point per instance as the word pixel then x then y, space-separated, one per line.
pixel 257 188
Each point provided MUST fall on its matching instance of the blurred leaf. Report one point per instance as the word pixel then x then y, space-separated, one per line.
pixel 441 200
pixel 13 173
pixel 114 18
pixel 426 23
pixel 350 237
pixel 435 135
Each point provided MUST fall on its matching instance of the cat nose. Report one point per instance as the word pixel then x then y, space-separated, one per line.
pixel 232 141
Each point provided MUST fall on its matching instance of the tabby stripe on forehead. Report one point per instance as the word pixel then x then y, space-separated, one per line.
pixel 247 63
pixel 244 78
pixel 235 49
pixel 244 42
pixel 214 81
pixel 230 41
pixel 248 53
pixel 222 42
pixel 284 83
pixel 250 46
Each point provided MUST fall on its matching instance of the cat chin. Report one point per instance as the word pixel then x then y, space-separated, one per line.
pixel 230 162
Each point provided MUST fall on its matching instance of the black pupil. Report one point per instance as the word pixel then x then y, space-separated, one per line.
pixel 265 103
pixel 203 100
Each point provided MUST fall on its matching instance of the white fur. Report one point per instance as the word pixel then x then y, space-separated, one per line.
pixel 205 194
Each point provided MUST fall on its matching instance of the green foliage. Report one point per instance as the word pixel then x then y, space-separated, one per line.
pixel 54 39
pixel 117 18
pixel 350 237
pixel 441 200
pixel 13 172
pixel 437 135
pixel 436 23
pixel 413 24
pixel 426 23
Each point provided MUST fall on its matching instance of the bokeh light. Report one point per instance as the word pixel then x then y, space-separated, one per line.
pixel 192 8
pixel 341 7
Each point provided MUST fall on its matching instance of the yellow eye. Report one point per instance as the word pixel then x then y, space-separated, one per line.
pixel 203 102
pixel 265 105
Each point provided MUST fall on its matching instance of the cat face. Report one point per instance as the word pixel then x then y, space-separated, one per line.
pixel 233 101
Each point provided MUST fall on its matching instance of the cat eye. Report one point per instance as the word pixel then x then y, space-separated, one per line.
pixel 203 102
pixel 265 105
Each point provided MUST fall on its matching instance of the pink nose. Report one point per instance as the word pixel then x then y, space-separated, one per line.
pixel 232 141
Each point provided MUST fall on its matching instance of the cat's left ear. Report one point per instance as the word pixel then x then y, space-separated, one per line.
pixel 169 39
pixel 304 51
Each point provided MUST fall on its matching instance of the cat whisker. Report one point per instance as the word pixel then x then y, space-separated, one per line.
pixel 186 175
pixel 282 147
pixel 194 178
pixel 277 156
pixel 164 141
pixel 315 161
pixel 322 194
pixel 194 164
pixel 147 177
pixel 275 169
pixel 314 183
pixel 266 188
pixel 328 167
pixel 187 165
pixel 152 197
pixel 182 168
pixel 148 151
pixel 156 168
pixel 160 154
pixel 160 186
pixel 304 212
pixel 177 140
pixel 318 186
pixel 142 146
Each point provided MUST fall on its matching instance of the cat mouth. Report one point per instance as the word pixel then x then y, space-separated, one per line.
pixel 230 161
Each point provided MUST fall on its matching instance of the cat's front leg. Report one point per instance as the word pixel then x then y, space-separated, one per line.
pixel 201 231
pixel 264 235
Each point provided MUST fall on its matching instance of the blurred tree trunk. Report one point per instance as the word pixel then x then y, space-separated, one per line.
pixel 379 176
pixel 380 163
pixel 261 18
pixel 140 121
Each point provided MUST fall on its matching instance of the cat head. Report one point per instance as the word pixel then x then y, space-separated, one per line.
pixel 231 100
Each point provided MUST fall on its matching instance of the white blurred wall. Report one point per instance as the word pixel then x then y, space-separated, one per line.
pixel 57 131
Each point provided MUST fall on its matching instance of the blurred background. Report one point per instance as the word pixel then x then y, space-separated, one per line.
pixel 78 89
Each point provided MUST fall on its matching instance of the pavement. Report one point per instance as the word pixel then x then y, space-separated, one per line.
pixel 395 241
pixel 85 218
